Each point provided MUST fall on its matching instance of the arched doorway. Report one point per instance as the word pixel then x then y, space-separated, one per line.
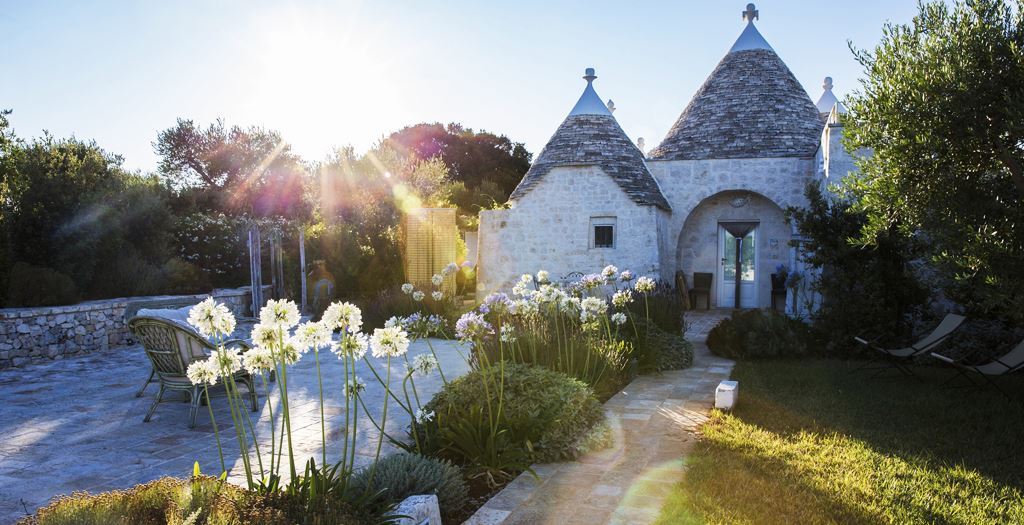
pixel 739 237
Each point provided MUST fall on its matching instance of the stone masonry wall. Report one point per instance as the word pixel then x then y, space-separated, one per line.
pixel 28 334
pixel 549 228
pixel 687 183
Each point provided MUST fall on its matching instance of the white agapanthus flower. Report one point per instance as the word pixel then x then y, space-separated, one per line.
pixel 355 386
pixel 619 318
pixel 344 316
pixel 437 295
pixel 227 361
pixel 526 278
pixel 520 289
pixel 417 296
pixel 354 345
pixel 393 321
pixel 591 307
pixel 543 277
pixel 424 364
pixel 203 372
pixel 422 416
pixel 280 313
pixel 314 335
pixel 450 269
pixel 437 279
pixel 645 285
pixel 609 272
pixel 211 318
pixel 407 288
pixel 290 354
pixel 626 276
pixel 508 334
pixel 622 298
pixel 263 335
pixel 389 342
pixel 257 360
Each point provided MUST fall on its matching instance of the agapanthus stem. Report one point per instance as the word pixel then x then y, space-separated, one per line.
pixel 320 386
pixel 216 433
pixel 383 424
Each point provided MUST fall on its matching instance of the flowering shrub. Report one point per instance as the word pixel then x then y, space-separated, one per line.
pixel 586 329
pixel 281 341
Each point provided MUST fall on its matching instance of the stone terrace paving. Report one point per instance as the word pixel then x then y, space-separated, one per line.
pixel 656 420
pixel 75 424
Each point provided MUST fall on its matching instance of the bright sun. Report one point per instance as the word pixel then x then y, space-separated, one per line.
pixel 320 82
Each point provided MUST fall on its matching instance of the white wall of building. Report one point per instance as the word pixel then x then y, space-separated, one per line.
pixel 550 228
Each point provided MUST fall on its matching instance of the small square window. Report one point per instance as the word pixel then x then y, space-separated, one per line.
pixel 604 236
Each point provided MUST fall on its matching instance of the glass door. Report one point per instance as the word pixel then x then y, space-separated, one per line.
pixel 747 269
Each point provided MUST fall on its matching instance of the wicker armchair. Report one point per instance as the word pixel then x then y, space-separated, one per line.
pixel 171 347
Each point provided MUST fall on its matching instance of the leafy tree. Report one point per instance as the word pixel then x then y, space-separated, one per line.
pixel 941 108
pixel 68 205
pixel 487 164
pixel 233 169
pixel 864 287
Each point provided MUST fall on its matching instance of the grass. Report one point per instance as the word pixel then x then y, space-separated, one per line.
pixel 811 442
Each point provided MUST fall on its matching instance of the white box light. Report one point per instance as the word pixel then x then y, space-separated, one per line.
pixel 726 394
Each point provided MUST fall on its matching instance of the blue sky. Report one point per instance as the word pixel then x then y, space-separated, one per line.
pixel 327 74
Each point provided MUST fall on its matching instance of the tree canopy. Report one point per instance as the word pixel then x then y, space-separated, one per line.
pixel 941 109
pixel 243 170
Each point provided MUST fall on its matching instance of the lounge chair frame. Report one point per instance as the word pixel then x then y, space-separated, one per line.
pixel 900 358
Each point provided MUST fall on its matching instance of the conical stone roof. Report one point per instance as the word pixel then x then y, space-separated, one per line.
pixel 750 107
pixel 590 136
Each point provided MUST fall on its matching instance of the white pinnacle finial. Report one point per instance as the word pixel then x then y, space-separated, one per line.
pixel 828 83
pixel 611 106
pixel 640 144
pixel 589 75
pixel 750 14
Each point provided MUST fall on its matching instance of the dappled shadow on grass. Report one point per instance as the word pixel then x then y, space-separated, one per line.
pixel 811 442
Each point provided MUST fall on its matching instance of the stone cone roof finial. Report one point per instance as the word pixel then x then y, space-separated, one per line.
pixel 827 99
pixel 750 14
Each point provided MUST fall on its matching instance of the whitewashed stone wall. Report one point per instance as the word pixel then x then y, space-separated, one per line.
pixel 832 159
pixel 687 183
pixel 550 229
pixel 28 334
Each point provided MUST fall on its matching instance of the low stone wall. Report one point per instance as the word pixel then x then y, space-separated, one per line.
pixel 28 334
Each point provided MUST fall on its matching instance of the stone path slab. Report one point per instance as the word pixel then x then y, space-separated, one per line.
pixel 75 424
pixel 656 420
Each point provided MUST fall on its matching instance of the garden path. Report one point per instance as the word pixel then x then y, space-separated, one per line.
pixel 656 419
pixel 75 424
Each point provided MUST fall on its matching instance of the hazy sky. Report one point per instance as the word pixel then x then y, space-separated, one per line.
pixel 333 73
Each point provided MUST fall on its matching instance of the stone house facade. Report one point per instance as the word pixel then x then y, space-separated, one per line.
pixel 709 199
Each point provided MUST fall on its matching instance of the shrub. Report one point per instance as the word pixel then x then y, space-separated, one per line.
pixel 759 333
pixel 978 339
pixel 172 501
pixel 661 350
pixel 664 305
pixel 35 286
pixel 545 413
pixel 404 475
pixel 378 308
pixel 600 363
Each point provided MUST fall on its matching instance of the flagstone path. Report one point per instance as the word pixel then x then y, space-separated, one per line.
pixel 75 424
pixel 656 420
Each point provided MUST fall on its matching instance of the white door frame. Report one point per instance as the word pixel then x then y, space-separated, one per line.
pixel 720 272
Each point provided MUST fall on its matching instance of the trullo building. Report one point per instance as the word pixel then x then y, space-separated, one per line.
pixel 741 152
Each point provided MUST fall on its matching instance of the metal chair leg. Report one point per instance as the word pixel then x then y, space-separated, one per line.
pixel 152 372
pixel 159 396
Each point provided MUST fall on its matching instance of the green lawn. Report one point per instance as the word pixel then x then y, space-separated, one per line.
pixel 811 442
